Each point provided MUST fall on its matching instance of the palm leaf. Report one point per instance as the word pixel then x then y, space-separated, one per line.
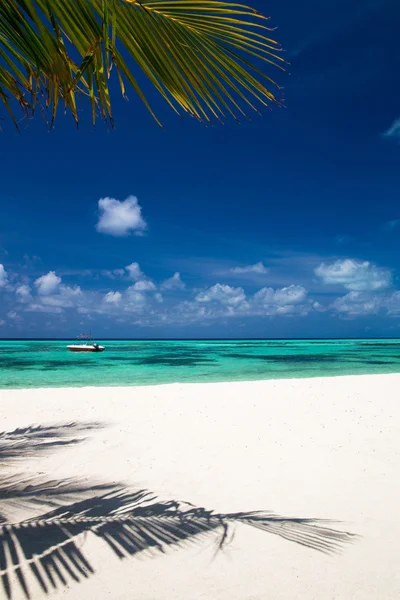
pixel 202 56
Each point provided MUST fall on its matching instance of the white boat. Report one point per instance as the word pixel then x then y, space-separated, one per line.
pixel 86 345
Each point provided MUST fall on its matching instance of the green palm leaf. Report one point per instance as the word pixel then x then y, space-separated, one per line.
pixel 197 53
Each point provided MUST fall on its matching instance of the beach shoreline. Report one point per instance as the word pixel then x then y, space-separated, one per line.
pixel 318 448
pixel 202 383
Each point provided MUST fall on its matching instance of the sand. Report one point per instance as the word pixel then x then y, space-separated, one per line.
pixel 326 448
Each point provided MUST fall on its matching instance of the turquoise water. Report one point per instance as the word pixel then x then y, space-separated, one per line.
pixel 49 364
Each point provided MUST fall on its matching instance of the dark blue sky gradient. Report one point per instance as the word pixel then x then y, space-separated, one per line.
pixel 314 182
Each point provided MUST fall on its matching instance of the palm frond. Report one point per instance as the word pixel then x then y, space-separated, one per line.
pixel 202 56
pixel 47 548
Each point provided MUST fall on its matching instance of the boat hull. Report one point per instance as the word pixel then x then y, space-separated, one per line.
pixel 86 348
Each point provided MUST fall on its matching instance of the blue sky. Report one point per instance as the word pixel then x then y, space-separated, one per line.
pixel 287 225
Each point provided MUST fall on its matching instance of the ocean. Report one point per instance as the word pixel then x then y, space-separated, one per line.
pixel 25 364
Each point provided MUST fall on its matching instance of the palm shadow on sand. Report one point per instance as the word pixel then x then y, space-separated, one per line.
pixel 47 548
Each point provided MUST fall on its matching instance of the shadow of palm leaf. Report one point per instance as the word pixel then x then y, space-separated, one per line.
pixel 29 442
pixel 45 551
pixel 19 492
pixel 130 523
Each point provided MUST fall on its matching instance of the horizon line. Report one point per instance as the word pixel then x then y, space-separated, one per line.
pixel 195 339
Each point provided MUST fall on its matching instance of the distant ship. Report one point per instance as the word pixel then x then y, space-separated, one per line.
pixel 86 344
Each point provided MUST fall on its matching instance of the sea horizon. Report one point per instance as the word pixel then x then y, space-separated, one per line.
pixel 194 339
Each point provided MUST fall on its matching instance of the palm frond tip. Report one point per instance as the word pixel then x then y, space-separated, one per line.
pixel 202 56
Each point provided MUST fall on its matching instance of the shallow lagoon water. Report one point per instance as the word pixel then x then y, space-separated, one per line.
pixel 26 364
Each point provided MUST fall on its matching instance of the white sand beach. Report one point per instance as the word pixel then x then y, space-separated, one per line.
pixel 324 448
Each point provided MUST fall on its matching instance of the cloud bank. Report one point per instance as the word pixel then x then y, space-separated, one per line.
pixel 137 300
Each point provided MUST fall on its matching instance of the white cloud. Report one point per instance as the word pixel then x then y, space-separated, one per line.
pixel 318 307
pixel 393 305
pixel 354 275
pixel 288 295
pixel 66 297
pixel 224 294
pixel 2 322
pixel 145 285
pixel 3 276
pixel 47 284
pixel 289 300
pixel 290 310
pixel 115 304
pixel 120 218
pixel 134 301
pixel 158 297
pixel 257 268
pixel 393 131
pixel 356 304
pixel 113 298
pixel 135 272
pixel 52 295
pixel 173 283
pixel 23 293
